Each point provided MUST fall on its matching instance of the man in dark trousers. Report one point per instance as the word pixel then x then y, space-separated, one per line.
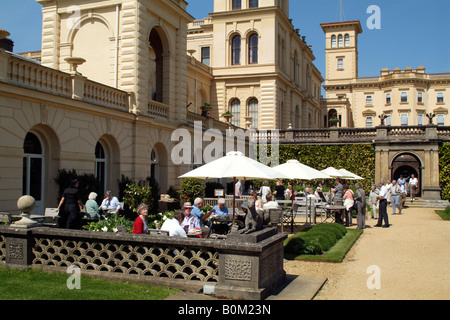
pixel 383 197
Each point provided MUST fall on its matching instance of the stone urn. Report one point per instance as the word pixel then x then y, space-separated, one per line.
pixel 26 205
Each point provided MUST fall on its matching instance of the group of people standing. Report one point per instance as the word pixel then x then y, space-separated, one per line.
pixel 381 194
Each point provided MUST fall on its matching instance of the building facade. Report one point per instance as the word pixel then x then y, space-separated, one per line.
pixel 262 69
pixel 399 97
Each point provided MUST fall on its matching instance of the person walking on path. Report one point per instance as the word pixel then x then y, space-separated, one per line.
pixel 396 190
pixel 413 185
pixel 360 199
pixel 373 202
pixel 383 198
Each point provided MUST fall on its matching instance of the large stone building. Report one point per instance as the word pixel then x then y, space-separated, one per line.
pixel 260 68
pixel 401 97
pixel 114 81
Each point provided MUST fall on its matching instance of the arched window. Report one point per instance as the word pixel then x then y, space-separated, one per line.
pixel 347 40
pixel 100 166
pixel 333 41
pixel 253 49
pixel 236 112
pixel 253 112
pixel 236 50
pixel 340 41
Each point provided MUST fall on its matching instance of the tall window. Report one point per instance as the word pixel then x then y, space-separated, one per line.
pixel 253 112
pixel 347 40
pixel 440 97
pixel 388 98
pixel 206 56
pixel 420 119
pixel 33 161
pixel 420 97
pixel 253 49
pixel 369 101
pixel 340 64
pixel 404 96
pixel 237 4
pixel 236 50
pixel 404 119
pixel 100 166
pixel 440 120
pixel 340 41
pixel 253 4
pixel 333 41
pixel 236 112
pixel 369 122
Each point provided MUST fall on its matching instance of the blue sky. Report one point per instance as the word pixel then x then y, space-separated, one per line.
pixel 413 32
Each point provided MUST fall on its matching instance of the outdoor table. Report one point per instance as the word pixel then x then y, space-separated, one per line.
pixel 332 209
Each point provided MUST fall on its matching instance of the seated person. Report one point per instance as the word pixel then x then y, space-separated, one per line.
pixel 270 203
pixel 219 211
pixel 140 224
pixel 110 203
pixel 190 221
pixel 92 208
pixel 173 226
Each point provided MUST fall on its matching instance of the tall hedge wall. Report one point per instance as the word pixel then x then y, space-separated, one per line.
pixel 357 158
pixel 444 170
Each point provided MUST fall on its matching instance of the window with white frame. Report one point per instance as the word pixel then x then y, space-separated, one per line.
pixel 369 122
pixel 404 96
pixel 420 97
pixel 341 41
pixel 340 63
pixel 388 121
pixel 440 120
pixel 206 56
pixel 369 101
pixel 333 41
pixel 236 112
pixel 388 98
pixel 420 119
pixel 440 97
pixel 404 119
pixel 347 40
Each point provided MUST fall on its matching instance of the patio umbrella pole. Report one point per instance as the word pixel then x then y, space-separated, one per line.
pixel 234 200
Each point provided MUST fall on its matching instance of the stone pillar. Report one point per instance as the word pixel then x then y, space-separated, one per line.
pixel 18 245
pixel 251 266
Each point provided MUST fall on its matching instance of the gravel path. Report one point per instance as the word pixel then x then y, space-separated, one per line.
pixel 412 257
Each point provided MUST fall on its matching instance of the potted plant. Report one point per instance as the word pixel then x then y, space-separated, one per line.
pixel 206 107
pixel 227 115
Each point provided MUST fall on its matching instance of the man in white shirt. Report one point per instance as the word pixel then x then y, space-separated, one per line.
pixel 413 184
pixel 383 197
pixel 173 226
pixel 110 203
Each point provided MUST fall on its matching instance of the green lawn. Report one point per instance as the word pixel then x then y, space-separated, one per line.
pixel 444 214
pixel 337 253
pixel 38 285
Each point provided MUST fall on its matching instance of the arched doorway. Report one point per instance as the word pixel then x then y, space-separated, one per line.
pixel 34 170
pixel 406 165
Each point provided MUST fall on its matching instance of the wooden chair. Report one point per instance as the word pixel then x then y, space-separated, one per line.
pixel 276 217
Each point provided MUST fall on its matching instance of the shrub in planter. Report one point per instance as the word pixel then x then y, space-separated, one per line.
pixel 191 189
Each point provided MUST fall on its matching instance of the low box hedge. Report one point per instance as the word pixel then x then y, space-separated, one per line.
pixel 316 240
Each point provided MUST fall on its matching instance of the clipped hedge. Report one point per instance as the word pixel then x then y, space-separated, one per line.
pixel 356 158
pixel 444 170
pixel 316 240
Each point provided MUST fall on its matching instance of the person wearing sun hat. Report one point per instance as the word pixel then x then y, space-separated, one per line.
pixel 190 221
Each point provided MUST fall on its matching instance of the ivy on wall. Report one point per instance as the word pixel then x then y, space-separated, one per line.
pixel 357 158
pixel 444 170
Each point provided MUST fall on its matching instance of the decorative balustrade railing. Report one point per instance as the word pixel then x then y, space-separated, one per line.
pixel 32 75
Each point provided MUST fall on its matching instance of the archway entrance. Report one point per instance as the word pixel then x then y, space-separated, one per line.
pixel 406 165
pixel 33 171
